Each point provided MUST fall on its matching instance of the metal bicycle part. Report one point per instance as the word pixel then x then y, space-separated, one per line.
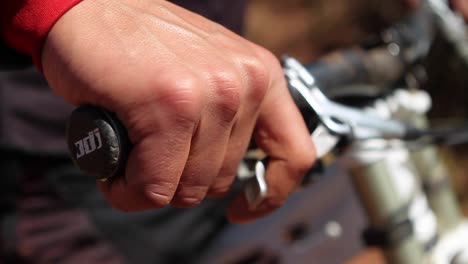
pixel 256 189
pixel 337 118
pixel 336 121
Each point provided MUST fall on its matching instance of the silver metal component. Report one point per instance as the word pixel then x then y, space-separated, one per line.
pixel 447 17
pixel 256 188
pixel 244 172
pixel 340 119
pixel 336 121
pixel 452 25
pixel 323 141
pixel 451 247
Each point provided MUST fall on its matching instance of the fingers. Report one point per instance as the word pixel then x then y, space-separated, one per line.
pixel 179 157
pixel 234 154
pixel 162 131
pixel 256 79
pixel 209 144
pixel 281 133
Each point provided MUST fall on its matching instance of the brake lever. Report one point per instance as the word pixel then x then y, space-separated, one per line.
pixel 340 119
pixel 256 188
pixel 336 121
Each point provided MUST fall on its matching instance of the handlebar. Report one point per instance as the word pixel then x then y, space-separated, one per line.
pixel 378 67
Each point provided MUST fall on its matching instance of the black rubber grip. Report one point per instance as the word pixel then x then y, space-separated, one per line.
pixel 98 142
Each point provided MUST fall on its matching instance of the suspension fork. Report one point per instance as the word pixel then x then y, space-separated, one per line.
pixel 400 221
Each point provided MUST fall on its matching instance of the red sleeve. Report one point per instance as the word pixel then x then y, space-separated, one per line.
pixel 26 23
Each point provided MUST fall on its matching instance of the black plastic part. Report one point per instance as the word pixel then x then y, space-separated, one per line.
pixel 98 142
pixel 389 236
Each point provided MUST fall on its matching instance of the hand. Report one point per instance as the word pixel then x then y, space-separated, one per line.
pixel 461 6
pixel 190 93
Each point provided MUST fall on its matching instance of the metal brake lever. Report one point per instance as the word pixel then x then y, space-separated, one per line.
pixel 256 189
pixel 340 119
pixel 448 19
pixel 336 121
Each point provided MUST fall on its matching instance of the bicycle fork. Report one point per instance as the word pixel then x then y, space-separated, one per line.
pixel 412 211
pixel 399 218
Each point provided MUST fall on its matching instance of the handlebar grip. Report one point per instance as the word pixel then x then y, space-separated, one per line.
pixel 98 142
pixel 99 146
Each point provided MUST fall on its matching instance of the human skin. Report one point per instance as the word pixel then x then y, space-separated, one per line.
pixel 191 94
pixel 461 6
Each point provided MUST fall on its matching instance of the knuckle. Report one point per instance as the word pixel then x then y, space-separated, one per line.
pixel 160 195
pixel 258 78
pixel 227 87
pixel 181 97
pixel 272 62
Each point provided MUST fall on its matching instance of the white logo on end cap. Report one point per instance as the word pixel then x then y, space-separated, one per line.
pixel 88 144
